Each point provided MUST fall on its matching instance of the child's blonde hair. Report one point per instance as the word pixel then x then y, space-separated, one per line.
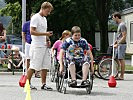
pixel 64 33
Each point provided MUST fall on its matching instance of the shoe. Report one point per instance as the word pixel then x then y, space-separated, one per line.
pixel 85 83
pixel 73 83
pixel 45 87
pixel 33 87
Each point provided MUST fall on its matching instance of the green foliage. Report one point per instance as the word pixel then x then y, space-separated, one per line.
pixel 90 15
pixel 130 2
pixel 68 13
pixel 112 27
pixel 128 67
pixel 13 10
pixel 117 5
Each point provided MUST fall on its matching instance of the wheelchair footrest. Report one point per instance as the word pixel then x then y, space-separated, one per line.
pixel 80 86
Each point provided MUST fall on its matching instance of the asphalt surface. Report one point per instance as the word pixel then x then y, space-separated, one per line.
pixel 10 90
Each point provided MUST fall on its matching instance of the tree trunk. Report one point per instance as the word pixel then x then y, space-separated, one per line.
pixel 104 38
pixel 102 8
pixel 92 35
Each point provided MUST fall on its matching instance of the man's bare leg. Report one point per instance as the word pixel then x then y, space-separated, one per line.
pixel 27 63
pixel 43 76
pixel 122 68
pixel 29 74
pixel 119 65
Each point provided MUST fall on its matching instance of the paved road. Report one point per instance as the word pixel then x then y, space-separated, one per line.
pixel 10 90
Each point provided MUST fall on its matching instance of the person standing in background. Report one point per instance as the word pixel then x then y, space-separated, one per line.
pixel 27 40
pixel 26 36
pixel 2 40
pixel 120 44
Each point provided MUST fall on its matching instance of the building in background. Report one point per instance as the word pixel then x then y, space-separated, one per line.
pixel 127 16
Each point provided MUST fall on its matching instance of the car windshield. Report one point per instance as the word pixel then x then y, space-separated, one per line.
pixel 16 41
pixel 12 39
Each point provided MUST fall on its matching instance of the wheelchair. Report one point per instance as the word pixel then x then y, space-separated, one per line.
pixel 63 79
pixel 54 66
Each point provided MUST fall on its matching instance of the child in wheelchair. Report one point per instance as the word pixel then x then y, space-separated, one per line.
pixel 57 45
pixel 76 51
pixel 55 54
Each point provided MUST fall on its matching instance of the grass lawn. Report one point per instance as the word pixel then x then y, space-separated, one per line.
pixel 128 67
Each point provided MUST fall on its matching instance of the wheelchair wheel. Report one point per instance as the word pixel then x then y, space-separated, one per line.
pixel 64 90
pixel 59 82
pixel 105 68
pixel 89 88
pixel 53 70
pixel 52 75
pixel 91 81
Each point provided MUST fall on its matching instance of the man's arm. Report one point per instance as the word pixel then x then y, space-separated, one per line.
pixel 123 39
pixel 34 32
pixel 23 37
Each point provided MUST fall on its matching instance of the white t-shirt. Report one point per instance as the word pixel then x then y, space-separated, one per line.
pixel 41 26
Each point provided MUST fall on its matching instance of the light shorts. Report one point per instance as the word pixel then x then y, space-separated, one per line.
pixel 81 64
pixel 27 49
pixel 120 51
pixel 40 58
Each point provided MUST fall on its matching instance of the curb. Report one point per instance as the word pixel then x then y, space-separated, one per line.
pixel 5 72
pixel 129 71
pixel 11 73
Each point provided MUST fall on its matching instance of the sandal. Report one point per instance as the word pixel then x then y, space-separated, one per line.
pixel 119 78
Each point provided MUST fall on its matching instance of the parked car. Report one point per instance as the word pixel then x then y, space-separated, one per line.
pixel 12 40
pixel 15 42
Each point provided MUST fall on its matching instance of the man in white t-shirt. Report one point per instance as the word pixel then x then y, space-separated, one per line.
pixel 38 50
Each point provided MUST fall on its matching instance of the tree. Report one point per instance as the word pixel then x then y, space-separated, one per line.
pixel 73 12
pixel 129 3
pixel 103 9
pixel 13 10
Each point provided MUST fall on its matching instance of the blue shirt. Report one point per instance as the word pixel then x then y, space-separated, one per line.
pixel 75 49
pixel 26 29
